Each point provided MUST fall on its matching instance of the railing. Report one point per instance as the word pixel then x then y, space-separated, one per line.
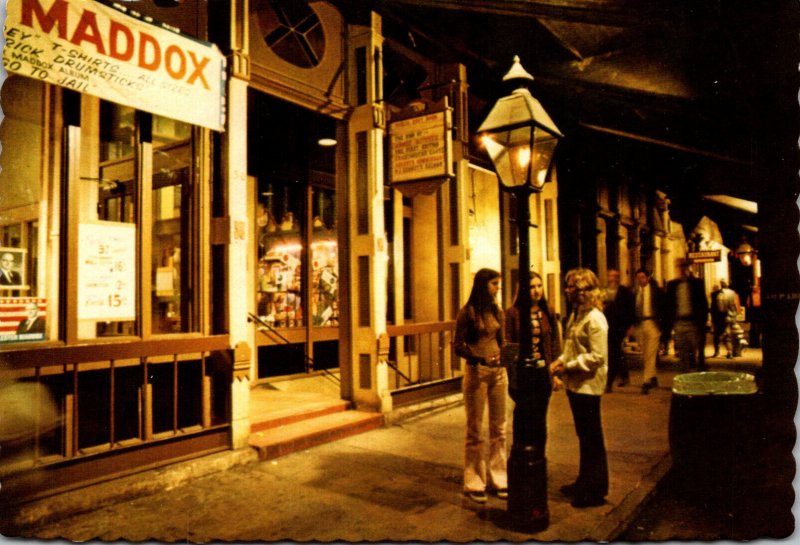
pixel 273 334
pixel 77 401
pixel 422 353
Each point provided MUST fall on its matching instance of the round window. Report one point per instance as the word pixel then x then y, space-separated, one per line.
pixel 293 31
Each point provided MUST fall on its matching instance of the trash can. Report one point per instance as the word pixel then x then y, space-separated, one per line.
pixel 714 420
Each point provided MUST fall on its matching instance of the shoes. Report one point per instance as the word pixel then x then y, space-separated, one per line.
pixel 478 496
pixel 570 489
pixel 502 493
pixel 646 388
pixel 729 356
pixel 623 382
pixel 588 501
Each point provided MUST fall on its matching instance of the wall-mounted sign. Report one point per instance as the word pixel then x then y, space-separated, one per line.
pixel 106 271
pixel 125 58
pixel 705 256
pixel 421 148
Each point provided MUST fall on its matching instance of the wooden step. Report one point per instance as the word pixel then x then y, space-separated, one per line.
pixel 278 441
pixel 281 416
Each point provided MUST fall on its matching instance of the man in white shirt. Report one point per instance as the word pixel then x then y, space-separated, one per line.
pixel 648 299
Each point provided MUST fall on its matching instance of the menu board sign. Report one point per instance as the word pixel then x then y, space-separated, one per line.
pixel 421 147
pixel 106 271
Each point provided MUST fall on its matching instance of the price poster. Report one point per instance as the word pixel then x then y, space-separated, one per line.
pixel 107 271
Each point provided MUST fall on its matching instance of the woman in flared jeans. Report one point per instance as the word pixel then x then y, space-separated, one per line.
pixel 483 387
pixel 478 338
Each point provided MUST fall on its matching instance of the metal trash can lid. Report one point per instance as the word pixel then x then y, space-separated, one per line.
pixel 714 383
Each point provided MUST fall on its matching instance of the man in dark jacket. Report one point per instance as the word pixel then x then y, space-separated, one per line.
pixel 686 312
pixel 618 306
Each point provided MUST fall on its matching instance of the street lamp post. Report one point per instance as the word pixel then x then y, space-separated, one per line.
pixel 520 139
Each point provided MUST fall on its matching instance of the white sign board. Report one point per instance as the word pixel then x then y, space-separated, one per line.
pixel 421 147
pixel 96 49
pixel 106 271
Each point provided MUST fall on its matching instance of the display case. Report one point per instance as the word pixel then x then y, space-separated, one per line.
pixel 283 246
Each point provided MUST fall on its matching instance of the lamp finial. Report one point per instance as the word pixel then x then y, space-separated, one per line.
pixel 517 72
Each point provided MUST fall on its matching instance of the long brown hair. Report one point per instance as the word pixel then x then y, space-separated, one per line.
pixel 543 305
pixel 480 302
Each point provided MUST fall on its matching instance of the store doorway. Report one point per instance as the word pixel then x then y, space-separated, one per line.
pixel 292 160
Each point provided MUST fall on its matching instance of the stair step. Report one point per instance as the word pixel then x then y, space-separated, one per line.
pixel 278 441
pixel 291 415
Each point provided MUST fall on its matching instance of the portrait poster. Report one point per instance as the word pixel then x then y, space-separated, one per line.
pixel 12 269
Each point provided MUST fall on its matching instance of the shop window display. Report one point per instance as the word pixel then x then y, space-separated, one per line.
pixel 123 135
pixel 24 303
pixel 280 256
pixel 324 260
pixel 282 244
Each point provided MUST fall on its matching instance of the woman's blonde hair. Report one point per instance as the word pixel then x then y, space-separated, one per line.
pixel 586 281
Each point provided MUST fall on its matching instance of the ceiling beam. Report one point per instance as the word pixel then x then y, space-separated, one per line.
pixel 665 143
pixel 597 12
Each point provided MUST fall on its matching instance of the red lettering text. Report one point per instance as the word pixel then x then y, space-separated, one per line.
pixel 56 16
pixel 172 52
pixel 144 40
pixel 116 30
pixel 88 22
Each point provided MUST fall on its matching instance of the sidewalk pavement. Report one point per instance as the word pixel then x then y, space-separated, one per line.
pixel 401 482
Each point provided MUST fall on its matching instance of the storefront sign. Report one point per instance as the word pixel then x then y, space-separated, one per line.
pixel 97 49
pixel 705 256
pixel 106 271
pixel 421 147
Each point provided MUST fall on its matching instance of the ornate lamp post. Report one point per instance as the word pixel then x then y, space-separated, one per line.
pixel 520 139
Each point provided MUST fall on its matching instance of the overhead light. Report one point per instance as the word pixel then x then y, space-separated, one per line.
pixel 327 142
pixel 734 202
pixel 746 253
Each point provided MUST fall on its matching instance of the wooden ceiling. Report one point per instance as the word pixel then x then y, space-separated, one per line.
pixel 672 88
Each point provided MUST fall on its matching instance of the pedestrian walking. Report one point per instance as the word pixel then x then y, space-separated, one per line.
pixel 618 307
pixel 648 314
pixel 717 319
pixel 686 311
pixel 753 315
pixel 478 339
pixel 583 367
pixel 724 312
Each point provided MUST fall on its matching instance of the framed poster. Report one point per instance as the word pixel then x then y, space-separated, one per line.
pixel 22 319
pixel 107 271
pixel 12 269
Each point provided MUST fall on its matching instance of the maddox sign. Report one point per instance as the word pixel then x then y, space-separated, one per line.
pixel 98 49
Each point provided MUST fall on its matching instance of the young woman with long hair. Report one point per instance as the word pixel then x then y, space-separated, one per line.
pixel 546 335
pixel 478 339
pixel 583 366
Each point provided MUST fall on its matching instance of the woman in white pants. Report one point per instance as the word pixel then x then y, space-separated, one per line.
pixel 478 338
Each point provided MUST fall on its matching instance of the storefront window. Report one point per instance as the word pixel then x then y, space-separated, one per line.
pixel 116 204
pixel 25 305
pixel 282 245
pixel 171 171
pixel 280 254
pixel 324 260
pixel 141 156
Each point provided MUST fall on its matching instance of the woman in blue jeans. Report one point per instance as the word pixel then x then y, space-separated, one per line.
pixel 583 368
pixel 478 338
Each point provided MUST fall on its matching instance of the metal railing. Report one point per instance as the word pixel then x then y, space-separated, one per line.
pixel 269 331
pixel 422 353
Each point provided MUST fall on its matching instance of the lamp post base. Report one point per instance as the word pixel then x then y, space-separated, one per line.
pixel 527 490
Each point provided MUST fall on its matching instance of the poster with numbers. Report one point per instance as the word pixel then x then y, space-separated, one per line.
pixel 106 271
